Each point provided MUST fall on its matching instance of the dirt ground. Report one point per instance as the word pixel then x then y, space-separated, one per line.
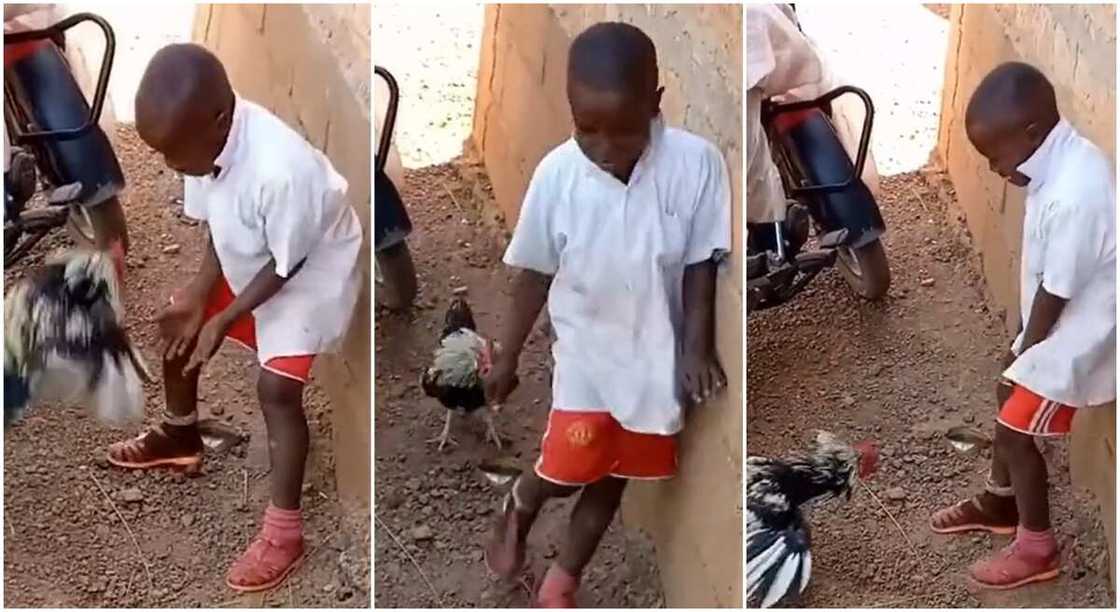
pixel 433 511
pixel 65 545
pixel 902 372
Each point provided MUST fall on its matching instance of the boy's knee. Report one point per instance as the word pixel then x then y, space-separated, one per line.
pixel 279 392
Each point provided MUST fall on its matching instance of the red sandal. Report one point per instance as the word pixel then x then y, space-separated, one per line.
pixel 264 565
pixel 157 448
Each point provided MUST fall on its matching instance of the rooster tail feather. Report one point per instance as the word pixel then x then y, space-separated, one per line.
pixel 118 394
pixel 778 564
pixel 17 394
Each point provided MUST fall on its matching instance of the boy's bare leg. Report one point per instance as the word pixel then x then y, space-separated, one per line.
pixel 1027 469
pixel 505 551
pixel 277 549
pixel 175 441
pixel 282 404
pixel 1033 556
pixel 590 518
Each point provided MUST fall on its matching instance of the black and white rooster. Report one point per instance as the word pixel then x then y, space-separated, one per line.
pixel 63 340
pixel 455 377
pixel 778 558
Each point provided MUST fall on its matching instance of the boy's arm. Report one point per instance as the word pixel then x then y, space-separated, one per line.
pixel 1045 311
pixel 208 271
pixel 265 284
pixel 701 374
pixel 530 292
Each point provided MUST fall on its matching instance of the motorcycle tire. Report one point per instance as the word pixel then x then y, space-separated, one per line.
pixel 97 227
pixel 396 276
pixel 866 270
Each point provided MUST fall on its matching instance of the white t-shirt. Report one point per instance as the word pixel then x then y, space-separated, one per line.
pixel 779 59
pixel 1069 246
pixel 617 254
pixel 277 197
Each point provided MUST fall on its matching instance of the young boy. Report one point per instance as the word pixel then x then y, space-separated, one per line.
pixel 620 230
pixel 1065 357
pixel 279 276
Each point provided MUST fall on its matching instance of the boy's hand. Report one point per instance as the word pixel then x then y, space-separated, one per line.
pixel 501 380
pixel 179 324
pixel 209 340
pixel 701 377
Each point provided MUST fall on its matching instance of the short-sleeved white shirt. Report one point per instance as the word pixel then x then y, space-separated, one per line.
pixel 617 254
pixel 277 197
pixel 1069 246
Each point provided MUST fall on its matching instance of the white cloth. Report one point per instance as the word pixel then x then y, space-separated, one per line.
pixel 1069 246
pixel 277 197
pixel 779 59
pixel 617 254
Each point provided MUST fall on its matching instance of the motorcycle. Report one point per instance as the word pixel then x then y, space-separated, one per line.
pixel 824 192
pixel 395 271
pixel 62 171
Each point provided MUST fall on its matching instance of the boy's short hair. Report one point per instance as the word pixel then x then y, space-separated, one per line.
pixel 613 56
pixel 1011 87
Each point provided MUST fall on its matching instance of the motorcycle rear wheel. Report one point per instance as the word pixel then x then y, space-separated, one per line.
pixel 866 270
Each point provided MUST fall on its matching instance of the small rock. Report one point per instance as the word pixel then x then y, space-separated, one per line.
pixel 422 533
pixel 217 410
pixel 171 249
pixel 896 494
pixel 927 282
pixel 187 520
pixel 131 495
pixel 461 290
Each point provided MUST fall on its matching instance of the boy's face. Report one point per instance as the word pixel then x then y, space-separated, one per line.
pixel 1006 148
pixel 611 127
pixel 189 147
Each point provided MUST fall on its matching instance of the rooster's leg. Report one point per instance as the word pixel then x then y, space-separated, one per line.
pixel 491 431
pixel 444 438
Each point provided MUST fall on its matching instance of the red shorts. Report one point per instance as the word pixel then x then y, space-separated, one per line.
pixel 244 332
pixel 583 447
pixel 1030 413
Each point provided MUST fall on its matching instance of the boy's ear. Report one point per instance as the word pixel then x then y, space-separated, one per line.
pixel 1034 133
pixel 657 99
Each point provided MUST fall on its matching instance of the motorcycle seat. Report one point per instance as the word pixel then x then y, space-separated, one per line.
pixel 38 80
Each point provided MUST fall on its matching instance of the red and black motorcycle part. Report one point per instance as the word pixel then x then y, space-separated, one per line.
pixel 819 173
pixel 41 94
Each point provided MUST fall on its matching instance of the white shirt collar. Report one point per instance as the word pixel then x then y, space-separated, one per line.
pixel 1039 164
pixel 233 140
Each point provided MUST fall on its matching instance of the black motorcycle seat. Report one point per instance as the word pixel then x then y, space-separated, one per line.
pixel 38 79
pixel 813 148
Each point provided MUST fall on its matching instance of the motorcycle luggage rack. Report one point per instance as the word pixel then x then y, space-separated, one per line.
pixel 390 122
pixel 22 137
pixel 864 139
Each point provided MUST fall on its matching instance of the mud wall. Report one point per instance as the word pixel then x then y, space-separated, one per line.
pixel 521 112
pixel 310 64
pixel 1075 46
